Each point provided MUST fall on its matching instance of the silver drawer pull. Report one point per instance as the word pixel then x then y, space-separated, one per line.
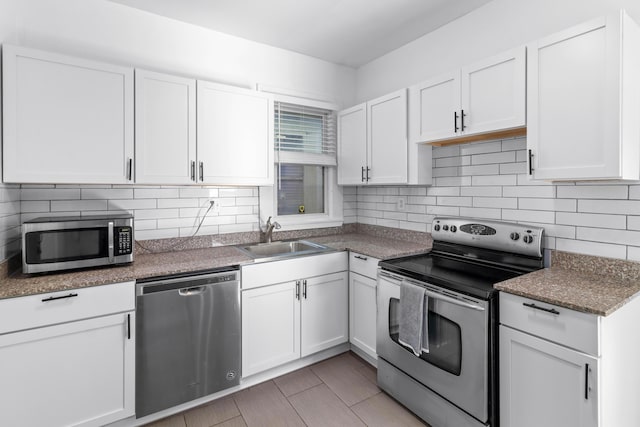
pixel 364 258
pixel 537 307
pixel 71 295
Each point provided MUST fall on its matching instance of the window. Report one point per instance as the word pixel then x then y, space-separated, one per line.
pixel 305 191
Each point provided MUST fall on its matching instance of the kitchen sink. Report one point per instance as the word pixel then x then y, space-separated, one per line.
pixel 282 249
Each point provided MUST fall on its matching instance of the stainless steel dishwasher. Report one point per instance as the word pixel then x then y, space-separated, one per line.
pixel 188 338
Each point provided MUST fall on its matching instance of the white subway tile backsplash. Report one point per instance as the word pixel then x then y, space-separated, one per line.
pixel 634 191
pixel 488 169
pixel 387 191
pixel 528 216
pixel 494 180
pixel 421 200
pixel 481 191
pixel 121 204
pixel 514 144
pixel 106 193
pixel 558 205
pixel 156 193
pixel 411 191
pixel 495 202
pixel 529 191
pixel 78 205
pixel 443 191
pixel 236 192
pixel 400 216
pixel 593 192
pixel 449 151
pixel 481 147
pixel 452 161
pixel 607 235
pixel 454 201
pixel 197 192
pixel 49 194
pixel 633 223
pixel 513 168
pixel 452 181
pixel 156 213
pixel 413 226
pixel 502 157
pixel 621 207
pixel 445 172
pixel 633 253
pixel 443 210
pixel 485 213
pixel 178 203
pixel 591 248
pixel 592 220
pixel 35 206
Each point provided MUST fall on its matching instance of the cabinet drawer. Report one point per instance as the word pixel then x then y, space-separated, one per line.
pixel 269 273
pixel 363 264
pixel 65 306
pixel 563 326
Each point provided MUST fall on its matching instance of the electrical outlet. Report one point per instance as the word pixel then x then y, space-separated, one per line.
pixel 215 206
pixel 401 204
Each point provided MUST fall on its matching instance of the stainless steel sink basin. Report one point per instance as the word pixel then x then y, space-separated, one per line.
pixel 281 249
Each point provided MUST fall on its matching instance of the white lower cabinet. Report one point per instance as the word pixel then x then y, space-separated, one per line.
pixel 285 320
pixel 564 368
pixel 545 384
pixel 77 373
pixel 362 303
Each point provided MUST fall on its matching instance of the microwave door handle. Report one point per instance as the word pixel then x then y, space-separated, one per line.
pixel 435 295
pixel 110 241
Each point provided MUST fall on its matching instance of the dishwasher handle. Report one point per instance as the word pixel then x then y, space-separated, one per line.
pixel 194 290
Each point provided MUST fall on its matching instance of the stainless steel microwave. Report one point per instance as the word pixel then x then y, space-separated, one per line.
pixel 63 243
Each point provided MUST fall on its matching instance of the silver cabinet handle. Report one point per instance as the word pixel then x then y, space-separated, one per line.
pixel 71 295
pixel 297 289
pixel 201 171
pixel 364 258
pixel 193 171
pixel 304 288
pixel 129 169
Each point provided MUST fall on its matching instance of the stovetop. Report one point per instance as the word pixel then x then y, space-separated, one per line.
pixel 469 261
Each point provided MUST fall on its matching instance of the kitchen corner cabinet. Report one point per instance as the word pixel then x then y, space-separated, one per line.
pixel 372 142
pixel 66 119
pixel 292 309
pixel 68 358
pixel 362 302
pixel 165 129
pixel 484 97
pixel 235 135
pixel 563 368
pixel 584 102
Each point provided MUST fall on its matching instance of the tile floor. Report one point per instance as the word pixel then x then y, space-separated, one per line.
pixel 340 391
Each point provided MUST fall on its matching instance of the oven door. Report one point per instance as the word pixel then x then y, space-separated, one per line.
pixel 456 366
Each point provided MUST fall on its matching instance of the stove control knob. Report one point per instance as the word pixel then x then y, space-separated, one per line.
pixel 527 239
pixel 453 228
pixel 436 227
pixel 445 227
pixel 515 236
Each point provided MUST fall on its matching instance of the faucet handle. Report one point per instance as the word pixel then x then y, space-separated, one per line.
pixel 277 225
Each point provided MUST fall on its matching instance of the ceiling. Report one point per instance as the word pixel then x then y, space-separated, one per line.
pixel 347 32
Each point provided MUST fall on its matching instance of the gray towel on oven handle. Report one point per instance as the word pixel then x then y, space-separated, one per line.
pixel 412 298
pixel 425 325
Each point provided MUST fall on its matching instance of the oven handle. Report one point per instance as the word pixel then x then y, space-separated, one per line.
pixel 396 278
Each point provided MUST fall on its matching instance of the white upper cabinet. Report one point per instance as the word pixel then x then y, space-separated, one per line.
pixel 372 142
pixel 352 145
pixel 584 102
pixel 165 129
pixel 66 120
pixel 485 97
pixel 235 135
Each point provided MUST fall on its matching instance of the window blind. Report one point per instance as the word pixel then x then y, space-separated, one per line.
pixel 304 135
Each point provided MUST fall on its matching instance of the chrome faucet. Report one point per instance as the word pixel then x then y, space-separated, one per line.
pixel 269 229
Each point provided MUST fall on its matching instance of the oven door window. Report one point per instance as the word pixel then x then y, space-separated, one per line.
pixel 445 339
pixel 66 245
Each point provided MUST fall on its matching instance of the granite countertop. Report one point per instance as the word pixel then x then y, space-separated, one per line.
pixel 580 282
pixel 192 260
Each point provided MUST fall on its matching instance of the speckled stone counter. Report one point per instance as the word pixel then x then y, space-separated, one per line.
pixel 580 282
pixel 380 242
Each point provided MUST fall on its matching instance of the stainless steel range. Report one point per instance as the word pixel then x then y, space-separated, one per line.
pixel 437 346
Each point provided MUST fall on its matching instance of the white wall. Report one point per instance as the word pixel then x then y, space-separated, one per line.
pixel 489 180
pixel 491 29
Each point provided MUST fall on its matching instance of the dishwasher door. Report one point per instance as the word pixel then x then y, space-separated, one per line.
pixel 188 339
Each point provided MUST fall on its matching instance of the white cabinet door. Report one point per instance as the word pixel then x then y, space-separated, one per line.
pixel 493 93
pixel 325 308
pixel 165 129
pixel 362 313
pixel 77 373
pixel 435 108
pixel 235 135
pixel 545 384
pixel 270 327
pixel 352 145
pixel 387 139
pixel 66 120
pixel 580 125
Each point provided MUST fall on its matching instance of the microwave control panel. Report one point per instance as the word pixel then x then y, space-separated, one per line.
pixel 123 240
